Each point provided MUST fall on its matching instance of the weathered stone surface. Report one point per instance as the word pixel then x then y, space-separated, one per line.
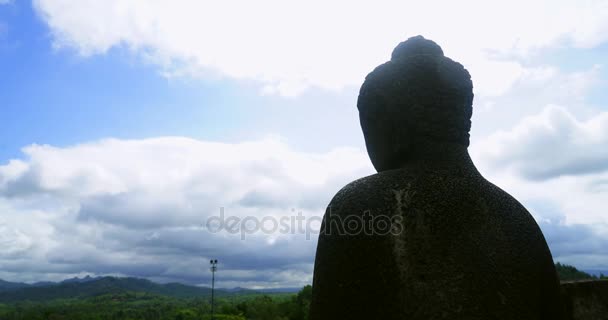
pixel 455 246
pixel 586 300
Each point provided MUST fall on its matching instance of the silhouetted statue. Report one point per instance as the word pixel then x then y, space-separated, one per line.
pixel 427 237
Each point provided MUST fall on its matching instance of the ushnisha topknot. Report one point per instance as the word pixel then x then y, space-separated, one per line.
pixel 420 98
pixel 417 45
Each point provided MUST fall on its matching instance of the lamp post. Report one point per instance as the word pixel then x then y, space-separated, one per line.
pixel 213 264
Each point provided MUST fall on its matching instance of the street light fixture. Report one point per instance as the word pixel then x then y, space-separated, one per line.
pixel 213 264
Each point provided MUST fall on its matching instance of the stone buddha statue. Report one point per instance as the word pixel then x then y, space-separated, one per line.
pixel 427 237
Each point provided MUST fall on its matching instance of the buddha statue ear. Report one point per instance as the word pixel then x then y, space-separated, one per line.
pixel 376 127
pixel 388 137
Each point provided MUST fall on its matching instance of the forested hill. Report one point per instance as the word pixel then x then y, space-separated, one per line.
pixel 15 292
pixel 571 273
pixel 77 288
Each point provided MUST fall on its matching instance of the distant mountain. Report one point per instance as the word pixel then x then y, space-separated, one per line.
pixel 43 283
pixel 6 285
pixel 99 286
pixel 596 272
pixel 81 280
pixel 280 290
pixel 571 273
pixel 94 286
pixel 240 290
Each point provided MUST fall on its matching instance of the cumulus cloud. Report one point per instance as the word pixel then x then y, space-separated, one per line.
pixel 530 94
pixel 288 47
pixel 139 207
pixel 551 144
pixel 556 160
pixel 576 244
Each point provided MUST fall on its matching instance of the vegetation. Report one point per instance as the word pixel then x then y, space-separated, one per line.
pixel 100 286
pixel 137 305
pixel 130 298
pixel 570 273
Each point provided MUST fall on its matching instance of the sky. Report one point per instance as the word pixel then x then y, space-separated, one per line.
pixel 126 125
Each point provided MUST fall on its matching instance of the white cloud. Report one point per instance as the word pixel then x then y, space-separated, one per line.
pixel 290 46
pixel 551 144
pixel 553 158
pixel 139 207
pixel 537 88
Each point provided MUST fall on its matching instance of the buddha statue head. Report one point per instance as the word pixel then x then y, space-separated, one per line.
pixel 417 101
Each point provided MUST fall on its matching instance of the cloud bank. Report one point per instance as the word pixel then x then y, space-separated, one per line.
pixel 288 47
pixel 139 208
pixel 551 144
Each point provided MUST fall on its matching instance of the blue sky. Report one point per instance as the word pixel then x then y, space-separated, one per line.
pixel 54 96
pixel 126 124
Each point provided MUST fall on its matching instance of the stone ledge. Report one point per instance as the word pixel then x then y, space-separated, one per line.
pixel 586 299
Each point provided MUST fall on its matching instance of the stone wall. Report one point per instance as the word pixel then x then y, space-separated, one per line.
pixel 586 300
